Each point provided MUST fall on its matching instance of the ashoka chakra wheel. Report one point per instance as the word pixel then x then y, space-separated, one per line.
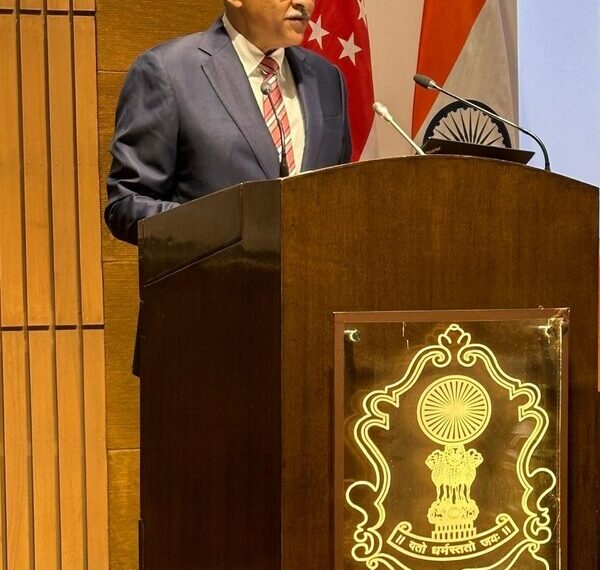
pixel 454 410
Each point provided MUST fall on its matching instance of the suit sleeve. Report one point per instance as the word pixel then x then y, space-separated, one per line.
pixel 144 148
pixel 346 153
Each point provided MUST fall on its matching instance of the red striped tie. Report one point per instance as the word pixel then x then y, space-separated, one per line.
pixel 269 68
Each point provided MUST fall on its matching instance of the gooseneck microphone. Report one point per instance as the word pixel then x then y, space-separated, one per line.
pixel 284 169
pixel 429 83
pixel 384 113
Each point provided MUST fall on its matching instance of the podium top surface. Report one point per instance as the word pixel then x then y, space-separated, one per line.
pixel 176 238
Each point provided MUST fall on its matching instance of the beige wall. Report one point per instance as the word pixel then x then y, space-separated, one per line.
pixel 125 29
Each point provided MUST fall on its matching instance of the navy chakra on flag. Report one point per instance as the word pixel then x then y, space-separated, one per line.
pixel 457 122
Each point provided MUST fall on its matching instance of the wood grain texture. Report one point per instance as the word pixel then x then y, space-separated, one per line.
pixel 17 438
pixel 62 5
pixel 124 476
pixel 11 233
pixel 119 26
pixel 71 447
pixel 463 239
pixel 95 449
pixel 92 311
pixel 31 4
pixel 53 476
pixel 431 233
pixel 3 533
pixel 62 152
pixel 44 447
pixel 84 5
pixel 36 170
pixel 123 422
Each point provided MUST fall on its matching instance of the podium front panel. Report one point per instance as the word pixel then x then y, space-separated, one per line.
pixel 450 439
pixel 236 338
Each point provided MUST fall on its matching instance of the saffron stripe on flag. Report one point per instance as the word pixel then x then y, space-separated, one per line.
pixel 444 32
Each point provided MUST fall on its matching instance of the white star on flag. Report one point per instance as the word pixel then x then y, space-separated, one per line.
pixel 318 32
pixel 362 11
pixel 347 19
pixel 350 49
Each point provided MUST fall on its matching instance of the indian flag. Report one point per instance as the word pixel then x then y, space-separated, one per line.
pixel 470 48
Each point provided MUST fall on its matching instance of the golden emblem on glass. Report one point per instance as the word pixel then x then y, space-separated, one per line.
pixel 453 411
pixel 469 510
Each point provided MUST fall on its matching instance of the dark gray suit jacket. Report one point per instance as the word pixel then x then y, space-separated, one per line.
pixel 188 125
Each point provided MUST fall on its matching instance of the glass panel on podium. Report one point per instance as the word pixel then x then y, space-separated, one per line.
pixel 450 440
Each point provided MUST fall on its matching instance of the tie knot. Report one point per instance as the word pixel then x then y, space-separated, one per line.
pixel 269 66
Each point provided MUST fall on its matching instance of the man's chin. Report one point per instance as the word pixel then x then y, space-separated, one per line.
pixel 295 35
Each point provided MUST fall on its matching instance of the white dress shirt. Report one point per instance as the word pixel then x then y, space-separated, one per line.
pixel 251 56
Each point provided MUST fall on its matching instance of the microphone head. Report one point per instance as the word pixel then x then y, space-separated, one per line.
pixel 424 81
pixel 265 87
pixel 382 110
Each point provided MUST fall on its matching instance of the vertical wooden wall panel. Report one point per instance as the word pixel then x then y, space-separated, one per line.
pixel 44 436
pixel 124 499
pixel 17 447
pixel 84 5
pixel 35 163
pixel 95 447
pixel 31 4
pixel 62 135
pixel 71 450
pixel 53 460
pixel 11 241
pixel 62 5
pixel 87 156
pixel 3 534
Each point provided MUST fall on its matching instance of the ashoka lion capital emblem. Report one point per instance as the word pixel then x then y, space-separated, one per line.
pixel 448 387
pixel 453 411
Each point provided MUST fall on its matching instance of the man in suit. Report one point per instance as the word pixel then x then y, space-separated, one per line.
pixel 192 118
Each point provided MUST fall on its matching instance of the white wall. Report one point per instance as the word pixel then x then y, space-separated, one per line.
pixel 559 83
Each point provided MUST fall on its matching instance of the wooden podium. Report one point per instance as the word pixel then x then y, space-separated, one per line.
pixel 238 290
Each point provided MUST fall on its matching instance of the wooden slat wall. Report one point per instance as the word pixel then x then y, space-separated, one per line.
pixel 53 465
pixel 125 29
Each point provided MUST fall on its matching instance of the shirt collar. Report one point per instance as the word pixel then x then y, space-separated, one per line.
pixel 249 54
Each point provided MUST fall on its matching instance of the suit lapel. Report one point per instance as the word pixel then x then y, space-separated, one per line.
pixel 308 91
pixel 228 78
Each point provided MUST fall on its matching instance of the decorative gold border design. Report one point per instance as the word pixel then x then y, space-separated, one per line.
pixel 369 543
